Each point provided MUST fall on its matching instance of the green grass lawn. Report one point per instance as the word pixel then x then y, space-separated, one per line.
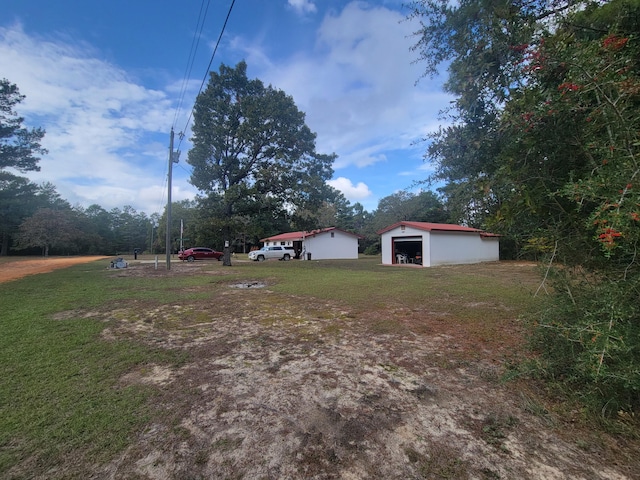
pixel 60 389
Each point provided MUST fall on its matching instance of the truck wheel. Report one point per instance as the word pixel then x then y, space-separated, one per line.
pixel 261 258
pixel 190 258
pixel 286 257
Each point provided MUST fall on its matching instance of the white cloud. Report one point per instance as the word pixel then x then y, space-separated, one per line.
pixel 358 87
pixel 92 113
pixel 302 6
pixel 349 190
pixel 367 155
pixel 427 167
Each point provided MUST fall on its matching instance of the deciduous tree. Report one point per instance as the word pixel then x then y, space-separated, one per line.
pixel 47 228
pixel 252 148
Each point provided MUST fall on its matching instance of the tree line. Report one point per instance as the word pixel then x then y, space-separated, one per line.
pixel 40 222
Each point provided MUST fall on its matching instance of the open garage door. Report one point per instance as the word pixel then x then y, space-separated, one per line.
pixel 407 250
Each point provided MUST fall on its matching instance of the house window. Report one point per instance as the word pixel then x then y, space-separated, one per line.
pixel 333 234
pixel 402 228
pixel 283 243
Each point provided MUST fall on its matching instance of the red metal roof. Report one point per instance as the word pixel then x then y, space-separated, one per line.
pixel 285 236
pixel 430 227
pixel 303 234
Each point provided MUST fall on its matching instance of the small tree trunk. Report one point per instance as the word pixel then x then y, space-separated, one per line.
pixel 226 235
pixel 227 255
pixel 4 248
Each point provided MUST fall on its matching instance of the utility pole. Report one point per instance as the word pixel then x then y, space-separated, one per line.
pixel 173 158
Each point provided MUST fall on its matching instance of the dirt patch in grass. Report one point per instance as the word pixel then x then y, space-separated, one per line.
pixel 279 386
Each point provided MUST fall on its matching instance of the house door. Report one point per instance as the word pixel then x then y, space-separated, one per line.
pixel 297 247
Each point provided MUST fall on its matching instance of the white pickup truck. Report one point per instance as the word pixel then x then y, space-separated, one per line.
pixel 265 253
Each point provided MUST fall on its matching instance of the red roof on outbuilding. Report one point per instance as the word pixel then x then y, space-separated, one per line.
pixel 430 227
pixel 303 234
pixel 285 236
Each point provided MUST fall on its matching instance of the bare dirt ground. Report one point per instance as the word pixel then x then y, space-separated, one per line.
pixel 282 388
pixel 13 269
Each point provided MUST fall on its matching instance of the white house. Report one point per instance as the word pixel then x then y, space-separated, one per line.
pixel 322 244
pixel 431 244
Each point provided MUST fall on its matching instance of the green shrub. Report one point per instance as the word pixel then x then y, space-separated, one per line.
pixel 589 339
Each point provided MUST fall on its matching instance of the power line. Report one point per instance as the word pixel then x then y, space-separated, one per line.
pixel 180 165
pixel 195 42
pixel 190 61
pixel 204 79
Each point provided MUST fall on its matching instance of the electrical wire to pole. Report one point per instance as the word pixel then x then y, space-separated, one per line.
pixel 174 156
pixel 195 42
pixel 204 79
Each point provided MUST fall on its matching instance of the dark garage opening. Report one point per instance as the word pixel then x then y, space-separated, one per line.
pixel 407 250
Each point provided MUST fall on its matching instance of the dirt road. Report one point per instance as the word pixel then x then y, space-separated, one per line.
pixel 13 270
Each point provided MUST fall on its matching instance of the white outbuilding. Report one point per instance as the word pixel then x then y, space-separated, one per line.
pixel 432 244
pixel 323 244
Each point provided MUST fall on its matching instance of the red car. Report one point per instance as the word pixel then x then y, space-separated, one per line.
pixel 199 253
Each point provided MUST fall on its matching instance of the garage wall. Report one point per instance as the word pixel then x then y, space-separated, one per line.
pixel 460 247
pixel 325 247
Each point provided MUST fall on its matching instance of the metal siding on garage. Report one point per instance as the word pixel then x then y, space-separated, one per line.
pixel 453 248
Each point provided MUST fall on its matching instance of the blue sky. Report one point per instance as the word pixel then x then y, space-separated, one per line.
pixel 104 79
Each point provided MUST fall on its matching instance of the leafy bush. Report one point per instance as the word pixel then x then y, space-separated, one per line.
pixel 373 249
pixel 589 335
pixel 589 338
